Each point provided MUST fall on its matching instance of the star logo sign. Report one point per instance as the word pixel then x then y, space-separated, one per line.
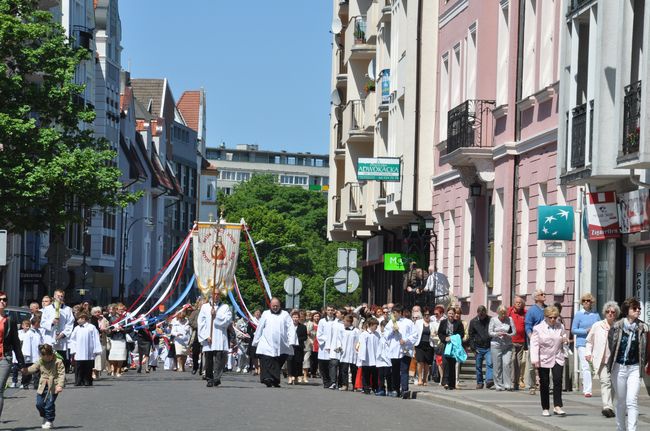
pixel 550 219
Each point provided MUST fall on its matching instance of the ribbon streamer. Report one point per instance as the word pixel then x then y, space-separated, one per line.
pixel 180 299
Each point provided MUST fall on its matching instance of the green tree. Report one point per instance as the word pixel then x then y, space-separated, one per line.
pixel 280 216
pixel 51 165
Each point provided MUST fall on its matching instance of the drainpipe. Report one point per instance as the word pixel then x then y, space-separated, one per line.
pixel 418 79
pixel 513 244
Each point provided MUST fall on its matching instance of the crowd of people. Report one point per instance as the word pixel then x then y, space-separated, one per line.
pixel 379 350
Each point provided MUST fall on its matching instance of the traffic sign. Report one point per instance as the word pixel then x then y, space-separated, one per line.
pixel 292 301
pixel 346 281
pixel 292 285
pixel 347 258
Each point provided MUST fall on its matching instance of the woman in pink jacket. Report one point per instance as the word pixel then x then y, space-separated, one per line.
pixel 547 354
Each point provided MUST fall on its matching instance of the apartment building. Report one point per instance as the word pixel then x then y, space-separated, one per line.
pixel 382 115
pixel 235 165
pixel 603 141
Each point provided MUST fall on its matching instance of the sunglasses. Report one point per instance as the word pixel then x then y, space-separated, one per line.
pixel 4 299
pixel 610 312
pixel 586 300
pixel 631 308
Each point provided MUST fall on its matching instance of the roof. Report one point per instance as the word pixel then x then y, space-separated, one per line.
pixel 150 93
pixel 136 168
pixel 190 107
pixel 159 178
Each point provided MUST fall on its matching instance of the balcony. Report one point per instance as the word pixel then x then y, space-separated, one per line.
pixel 83 37
pixel 356 122
pixel 575 5
pixel 632 118
pixel 578 135
pixel 342 68
pixel 352 208
pixel 357 43
pixel 386 11
pixel 339 151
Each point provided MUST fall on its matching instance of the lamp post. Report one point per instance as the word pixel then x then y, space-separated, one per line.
pixel 125 240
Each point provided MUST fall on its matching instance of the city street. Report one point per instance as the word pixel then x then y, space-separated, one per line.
pixel 170 401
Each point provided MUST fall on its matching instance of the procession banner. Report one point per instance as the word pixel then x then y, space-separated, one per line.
pixel 602 216
pixel 633 211
pixel 215 243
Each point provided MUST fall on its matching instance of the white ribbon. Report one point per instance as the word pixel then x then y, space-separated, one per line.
pixel 257 258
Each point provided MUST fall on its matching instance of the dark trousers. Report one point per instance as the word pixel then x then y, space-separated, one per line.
pixel 544 382
pixel 333 367
pixel 323 368
pixel 270 369
pixel 313 363
pixel 214 363
pixel 196 354
pixel 385 378
pixel 449 372
pixel 294 364
pixel 394 374
pixel 369 378
pixel 345 368
pixel 25 379
pixel 404 364
pixel 45 404
pixel 66 359
pixel 83 373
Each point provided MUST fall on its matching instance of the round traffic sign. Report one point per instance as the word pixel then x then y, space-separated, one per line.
pixel 346 281
pixel 292 285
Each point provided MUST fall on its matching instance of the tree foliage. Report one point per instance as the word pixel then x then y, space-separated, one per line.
pixel 281 216
pixel 51 165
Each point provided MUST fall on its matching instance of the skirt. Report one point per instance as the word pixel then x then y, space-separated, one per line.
pixel 118 350
pixel 181 350
pixel 306 359
pixel 424 353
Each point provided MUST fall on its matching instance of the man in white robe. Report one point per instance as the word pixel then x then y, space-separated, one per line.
pixel 58 329
pixel 215 346
pixel 274 339
pixel 323 336
pixel 85 346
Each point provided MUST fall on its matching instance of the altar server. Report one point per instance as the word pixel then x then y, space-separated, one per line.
pixel 85 346
pixel 368 345
pixel 349 340
pixel 213 322
pixel 274 340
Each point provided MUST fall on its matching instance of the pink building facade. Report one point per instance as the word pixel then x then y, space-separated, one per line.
pixel 495 152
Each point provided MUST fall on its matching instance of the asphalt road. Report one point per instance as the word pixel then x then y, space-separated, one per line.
pixel 166 400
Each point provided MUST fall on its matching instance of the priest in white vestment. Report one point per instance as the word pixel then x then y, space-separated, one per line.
pixel 274 338
pixel 85 345
pixel 214 346
pixel 58 326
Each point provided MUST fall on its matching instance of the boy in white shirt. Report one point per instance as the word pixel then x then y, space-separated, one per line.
pixel 383 362
pixel 349 339
pixel 368 344
pixel 24 328
pixel 32 338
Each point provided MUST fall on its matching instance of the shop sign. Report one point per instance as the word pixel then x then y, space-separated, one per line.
pixel 378 168
pixel 633 211
pixel 555 223
pixel 397 261
pixel 602 216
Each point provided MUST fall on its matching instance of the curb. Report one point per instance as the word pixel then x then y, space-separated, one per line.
pixel 501 416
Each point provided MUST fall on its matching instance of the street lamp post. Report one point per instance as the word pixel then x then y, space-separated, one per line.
pixel 125 240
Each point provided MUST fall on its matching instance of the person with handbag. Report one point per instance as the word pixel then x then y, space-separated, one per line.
pixel 628 344
pixel 547 355
pixel 446 329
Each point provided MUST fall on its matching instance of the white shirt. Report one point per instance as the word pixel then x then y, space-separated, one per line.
pixel 368 344
pixel 406 331
pixel 382 359
pixel 323 335
pixel 31 340
pixel 220 331
pixel 334 341
pixel 349 340
pixel 275 334
pixel 181 331
pixel 84 342
pixel 65 326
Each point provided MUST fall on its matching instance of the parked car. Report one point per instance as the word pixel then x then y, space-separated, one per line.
pixel 18 313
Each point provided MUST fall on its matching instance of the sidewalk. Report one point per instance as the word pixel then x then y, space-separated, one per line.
pixel 521 411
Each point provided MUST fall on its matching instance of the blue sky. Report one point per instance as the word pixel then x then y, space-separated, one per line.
pixel 265 65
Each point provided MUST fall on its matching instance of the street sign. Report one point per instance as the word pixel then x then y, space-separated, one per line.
pixel 3 247
pixel 292 301
pixel 347 258
pixel 292 285
pixel 346 281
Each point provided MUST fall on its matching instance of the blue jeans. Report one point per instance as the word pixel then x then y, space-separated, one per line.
pixel 45 404
pixel 483 353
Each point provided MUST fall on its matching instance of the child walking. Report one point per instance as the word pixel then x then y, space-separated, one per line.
pixel 50 384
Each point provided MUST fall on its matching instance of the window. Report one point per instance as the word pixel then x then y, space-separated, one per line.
pixel 444 96
pixel 208 192
pixel 455 78
pixel 470 64
pixel 529 57
pixel 291 160
pixel 301 181
pixel 286 179
pixel 524 230
pixel 228 175
pixel 546 43
pixel 319 163
pixel 243 176
pixel 502 55
pixel 109 221
pixel 108 245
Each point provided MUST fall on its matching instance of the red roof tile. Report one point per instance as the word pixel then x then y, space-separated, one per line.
pixel 190 107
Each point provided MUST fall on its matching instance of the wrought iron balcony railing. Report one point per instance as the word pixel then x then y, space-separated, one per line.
pixel 631 118
pixel 470 124
pixel 574 5
pixel 578 135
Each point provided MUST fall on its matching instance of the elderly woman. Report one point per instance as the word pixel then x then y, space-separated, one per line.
pixel 627 341
pixel 597 354
pixel 117 335
pixel 547 355
pixel 582 323
pixel 101 323
pixel 446 329
pixel 501 329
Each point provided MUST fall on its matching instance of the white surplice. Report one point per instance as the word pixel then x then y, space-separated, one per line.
pixel 85 343
pixel 323 335
pixel 368 345
pixel 275 334
pixel 65 326
pixel 349 339
pixel 31 340
pixel 222 320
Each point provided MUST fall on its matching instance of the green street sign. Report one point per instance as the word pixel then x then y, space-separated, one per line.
pixel 555 223
pixel 378 168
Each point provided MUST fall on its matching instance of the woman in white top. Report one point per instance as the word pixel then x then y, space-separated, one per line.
pixel 424 347
pixel 597 354
pixel 501 329
pixel 181 331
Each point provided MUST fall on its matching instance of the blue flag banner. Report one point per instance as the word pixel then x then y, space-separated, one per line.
pixel 555 223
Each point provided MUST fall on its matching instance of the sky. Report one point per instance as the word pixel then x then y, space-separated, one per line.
pixel 265 65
